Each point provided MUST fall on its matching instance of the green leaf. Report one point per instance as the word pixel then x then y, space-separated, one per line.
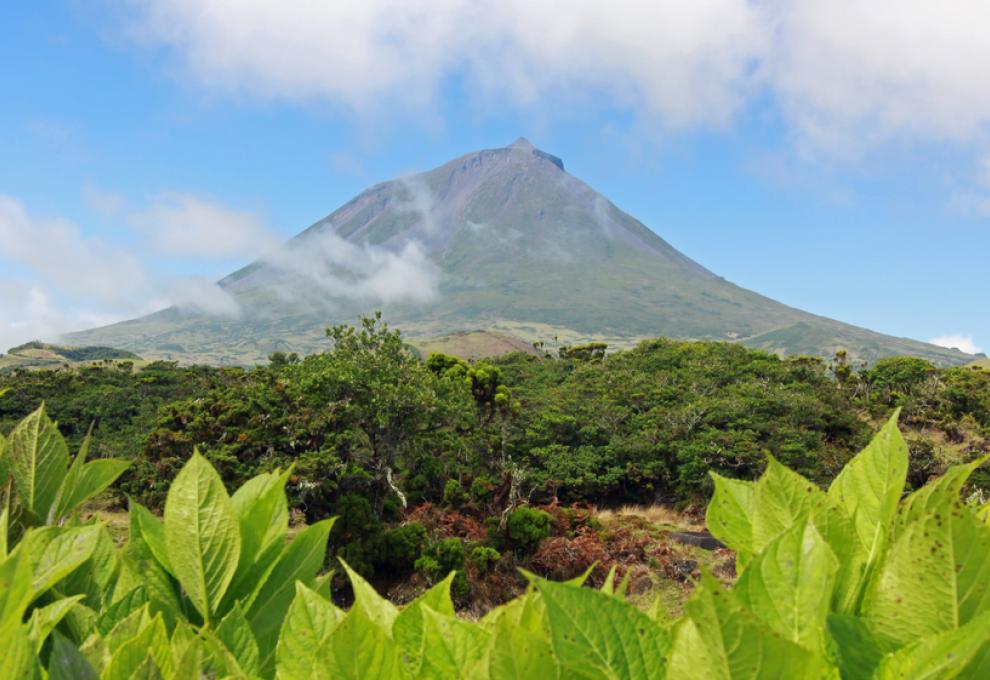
pixel 375 607
pixel 359 648
pixel 308 623
pixel 67 662
pixel 15 586
pixel 520 650
pixel 91 479
pixel 266 607
pixel 57 552
pixel 719 639
pixel 407 629
pixel 235 633
pixel 146 526
pixel 591 630
pixel 935 577
pixel 789 586
pixel 858 650
pixel 17 662
pixel 95 577
pixel 938 494
pixel 452 648
pixel 262 513
pixel 870 486
pixel 938 656
pixel 121 609
pixel 38 458
pixel 44 619
pixel 728 515
pixel 201 534
pixel 142 655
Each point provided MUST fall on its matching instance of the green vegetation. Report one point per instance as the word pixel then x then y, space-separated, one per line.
pixel 856 581
pixel 40 355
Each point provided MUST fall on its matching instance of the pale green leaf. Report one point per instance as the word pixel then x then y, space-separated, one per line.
pixel 452 649
pixel 718 639
pixel 15 586
pixel 934 578
pixel 44 619
pixel 728 515
pixel 141 655
pixel 518 652
pixel 94 477
pixel 789 586
pixel 118 611
pixel 38 458
pixel 375 607
pixel 235 633
pixel 17 660
pixel 201 534
pixel 57 552
pixel 593 631
pixel 870 486
pixel 858 650
pixel 358 649
pixel 938 494
pixel 407 630
pixel 151 530
pixel 308 623
pixel 300 561
pixel 938 656
pixel 67 662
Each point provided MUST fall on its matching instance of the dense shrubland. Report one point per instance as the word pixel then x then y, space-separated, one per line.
pixel 856 581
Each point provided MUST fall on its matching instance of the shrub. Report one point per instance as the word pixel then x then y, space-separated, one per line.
pixel 481 489
pixel 454 494
pixel 440 559
pixel 402 546
pixel 484 558
pixel 526 528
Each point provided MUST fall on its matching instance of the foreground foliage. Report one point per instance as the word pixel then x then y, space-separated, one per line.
pixel 852 582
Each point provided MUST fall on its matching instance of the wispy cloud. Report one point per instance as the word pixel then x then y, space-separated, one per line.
pixel 185 225
pixel 846 74
pixel 964 343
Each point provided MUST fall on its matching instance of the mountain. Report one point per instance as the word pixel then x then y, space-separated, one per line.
pixel 502 240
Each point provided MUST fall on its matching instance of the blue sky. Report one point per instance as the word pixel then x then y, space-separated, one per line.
pixel 831 156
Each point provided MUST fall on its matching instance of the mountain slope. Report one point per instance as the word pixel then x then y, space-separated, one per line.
pixel 501 239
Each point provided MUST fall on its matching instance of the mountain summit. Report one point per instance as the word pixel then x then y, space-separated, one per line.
pixel 501 239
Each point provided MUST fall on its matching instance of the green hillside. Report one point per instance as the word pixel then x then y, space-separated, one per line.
pixel 40 355
pixel 515 245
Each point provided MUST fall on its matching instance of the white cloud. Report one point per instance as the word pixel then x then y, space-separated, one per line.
pixel 964 343
pixel 189 226
pixel 845 73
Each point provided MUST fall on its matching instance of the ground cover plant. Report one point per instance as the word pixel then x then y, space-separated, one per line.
pixel 856 581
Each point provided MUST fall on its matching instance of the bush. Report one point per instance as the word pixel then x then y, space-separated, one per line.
pixel 526 528
pixel 402 546
pixel 484 558
pixel 440 559
pixel 454 494
pixel 358 532
pixel 481 489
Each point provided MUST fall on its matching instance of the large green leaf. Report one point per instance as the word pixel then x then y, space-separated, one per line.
pixel 66 661
pixel 145 526
pixel 357 649
pixel 17 660
pixel 375 607
pixel 870 486
pixel 938 494
pixel 235 633
pixel 784 499
pixel 266 608
pixel 141 654
pixel 38 458
pixel 934 578
pixel 201 534
pixel 719 639
pixel 789 586
pixel 407 630
pixel 56 552
pixel 858 650
pixel 729 512
pixel 452 649
pixel 263 518
pixel 44 619
pixel 938 656
pixel 520 647
pixel 591 631
pixel 308 623
pixel 91 479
